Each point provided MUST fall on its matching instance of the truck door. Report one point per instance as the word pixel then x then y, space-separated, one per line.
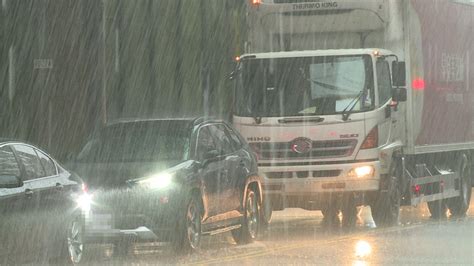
pixel 389 124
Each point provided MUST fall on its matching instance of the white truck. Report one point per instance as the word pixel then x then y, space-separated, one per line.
pixel 350 103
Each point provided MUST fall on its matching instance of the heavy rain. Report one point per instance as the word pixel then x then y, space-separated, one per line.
pixel 224 132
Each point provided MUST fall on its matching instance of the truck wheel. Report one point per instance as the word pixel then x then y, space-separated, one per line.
pixel 458 206
pixel 349 213
pixel 386 207
pixel 330 215
pixel 437 209
pixel 248 232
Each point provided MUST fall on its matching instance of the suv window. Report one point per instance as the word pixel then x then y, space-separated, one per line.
pixel 30 161
pixel 47 164
pixel 8 164
pixel 205 143
pixel 235 140
pixel 222 140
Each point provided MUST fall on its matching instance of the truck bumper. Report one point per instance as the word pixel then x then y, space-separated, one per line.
pixel 319 184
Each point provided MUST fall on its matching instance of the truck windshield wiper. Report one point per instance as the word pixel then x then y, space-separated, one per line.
pixel 330 86
pixel 347 111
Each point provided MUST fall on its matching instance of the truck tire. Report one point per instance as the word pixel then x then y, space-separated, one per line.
pixel 437 209
pixel 386 206
pixel 458 206
pixel 266 216
pixel 330 215
pixel 349 213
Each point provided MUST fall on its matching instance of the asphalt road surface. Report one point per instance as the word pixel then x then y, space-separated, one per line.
pixel 302 237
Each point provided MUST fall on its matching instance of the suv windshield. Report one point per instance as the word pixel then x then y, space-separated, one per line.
pixel 304 85
pixel 139 142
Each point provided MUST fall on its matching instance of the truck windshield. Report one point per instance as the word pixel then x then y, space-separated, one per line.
pixel 304 86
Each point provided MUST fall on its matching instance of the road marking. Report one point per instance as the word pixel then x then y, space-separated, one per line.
pixel 306 244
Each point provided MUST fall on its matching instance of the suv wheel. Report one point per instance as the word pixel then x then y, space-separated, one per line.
pixel 188 237
pixel 248 232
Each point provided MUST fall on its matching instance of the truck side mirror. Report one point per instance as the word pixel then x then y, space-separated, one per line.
pixel 399 94
pixel 398 74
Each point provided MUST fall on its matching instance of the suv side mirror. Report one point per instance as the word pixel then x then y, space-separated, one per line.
pixel 399 94
pixel 398 74
pixel 10 181
pixel 211 156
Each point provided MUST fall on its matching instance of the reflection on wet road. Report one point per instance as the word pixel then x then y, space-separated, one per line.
pixel 302 237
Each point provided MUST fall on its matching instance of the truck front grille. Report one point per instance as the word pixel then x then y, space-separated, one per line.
pixel 304 174
pixel 320 149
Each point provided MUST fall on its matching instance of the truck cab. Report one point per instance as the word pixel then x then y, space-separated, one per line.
pixel 321 123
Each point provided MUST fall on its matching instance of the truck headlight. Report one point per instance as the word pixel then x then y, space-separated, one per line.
pixel 365 171
pixel 158 181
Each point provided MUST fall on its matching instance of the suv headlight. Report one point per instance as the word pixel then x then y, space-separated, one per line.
pixel 158 181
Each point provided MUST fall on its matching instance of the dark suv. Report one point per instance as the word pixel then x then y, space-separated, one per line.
pixel 168 180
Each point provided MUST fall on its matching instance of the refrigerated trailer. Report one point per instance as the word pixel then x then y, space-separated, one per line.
pixel 350 103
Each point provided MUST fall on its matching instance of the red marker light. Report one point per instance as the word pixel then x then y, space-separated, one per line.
pixel 416 189
pixel 256 2
pixel 418 84
pixel 84 187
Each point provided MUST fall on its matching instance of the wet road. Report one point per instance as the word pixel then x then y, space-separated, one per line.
pixel 301 237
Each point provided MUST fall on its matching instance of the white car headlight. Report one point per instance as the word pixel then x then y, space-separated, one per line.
pixel 84 201
pixel 158 181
